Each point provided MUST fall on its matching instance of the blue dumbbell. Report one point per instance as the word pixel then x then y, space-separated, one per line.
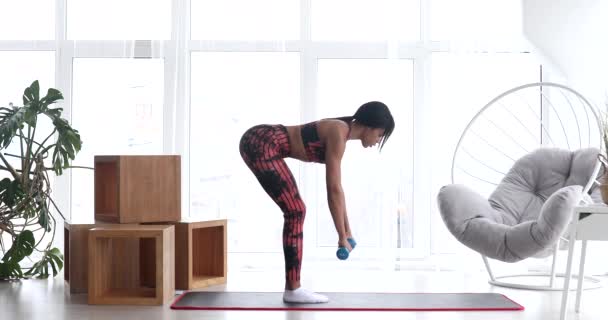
pixel 352 242
pixel 342 252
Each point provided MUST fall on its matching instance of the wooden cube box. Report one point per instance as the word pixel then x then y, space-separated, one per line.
pixel 200 254
pixel 132 189
pixel 76 252
pixel 132 266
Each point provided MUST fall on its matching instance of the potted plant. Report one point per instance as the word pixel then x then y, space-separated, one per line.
pixel 26 206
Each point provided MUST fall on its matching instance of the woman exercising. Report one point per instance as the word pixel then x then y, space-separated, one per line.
pixel 263 148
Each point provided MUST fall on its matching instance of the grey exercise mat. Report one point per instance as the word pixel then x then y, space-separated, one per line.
pixel 204 300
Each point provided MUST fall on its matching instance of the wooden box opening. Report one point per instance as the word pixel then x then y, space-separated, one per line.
pixel 106 188
pixel 127 267
pixel 207 253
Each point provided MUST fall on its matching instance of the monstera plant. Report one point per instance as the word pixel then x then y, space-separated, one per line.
pixel 26 206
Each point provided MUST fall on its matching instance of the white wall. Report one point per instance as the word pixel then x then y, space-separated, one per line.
pixel 574 35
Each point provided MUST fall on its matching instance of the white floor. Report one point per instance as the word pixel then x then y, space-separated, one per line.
pixel 50 299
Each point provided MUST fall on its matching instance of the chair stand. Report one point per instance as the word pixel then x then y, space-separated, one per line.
pixel 589 282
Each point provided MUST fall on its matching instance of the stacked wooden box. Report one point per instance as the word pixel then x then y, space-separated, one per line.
pixel 137 251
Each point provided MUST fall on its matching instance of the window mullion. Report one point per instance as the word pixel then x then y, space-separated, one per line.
pixel 176 120
pixel 308 105
pixel 27 45
pixel 63 82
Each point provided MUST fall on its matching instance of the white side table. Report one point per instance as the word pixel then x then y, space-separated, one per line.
pixel 590 222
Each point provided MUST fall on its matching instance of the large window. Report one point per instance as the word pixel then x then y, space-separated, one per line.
pixel 479 21
pixel 16 19
pixel 245 20
pixel 20 69
pixel 189 77
pixel 377 185
pixel 366 20
pixel 118 109
pixel 232 92
pixel 24 67
pixel 318 68
pixel 118 19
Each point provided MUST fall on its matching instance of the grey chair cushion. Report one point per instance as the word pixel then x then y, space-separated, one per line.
pixel 528 211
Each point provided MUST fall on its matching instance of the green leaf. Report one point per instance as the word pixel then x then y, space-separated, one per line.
pixel 56 255
pixel 52 96
pixel 33 270
pixel 43 221
pixel 31 115
pixel 67 145
pixel 54 113
pixel 5 272
pixel 10 192
pixel 23 246
pixel 9 270
pixel 11 120
pixel 40 269
pixel 52 263
pixel 32 93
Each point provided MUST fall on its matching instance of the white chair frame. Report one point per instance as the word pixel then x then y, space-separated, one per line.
pixel 502 281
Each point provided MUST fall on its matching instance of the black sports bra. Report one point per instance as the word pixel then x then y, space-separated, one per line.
pixel 315 149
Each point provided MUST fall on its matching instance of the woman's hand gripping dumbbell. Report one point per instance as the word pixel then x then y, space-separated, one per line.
pixel 345 247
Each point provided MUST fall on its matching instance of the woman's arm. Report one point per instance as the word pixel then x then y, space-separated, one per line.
pixel 335 145
pixel 346 225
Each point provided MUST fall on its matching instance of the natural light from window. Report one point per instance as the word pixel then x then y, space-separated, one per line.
pixel 118 110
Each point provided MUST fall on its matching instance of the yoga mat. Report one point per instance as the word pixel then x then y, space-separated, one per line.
pixel 205 300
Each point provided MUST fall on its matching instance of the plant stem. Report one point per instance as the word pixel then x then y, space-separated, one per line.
pixel 24 225
pixel 10 168
pixel 45 140
pixel 72 167
pixel 6 228
pixel 40 240
pixel 2 244
pixel 28 153
pixel 57 208
pixel 54 230
pixel 21 138
pixel 14 156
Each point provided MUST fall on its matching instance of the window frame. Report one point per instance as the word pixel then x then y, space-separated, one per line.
pixel 176 54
